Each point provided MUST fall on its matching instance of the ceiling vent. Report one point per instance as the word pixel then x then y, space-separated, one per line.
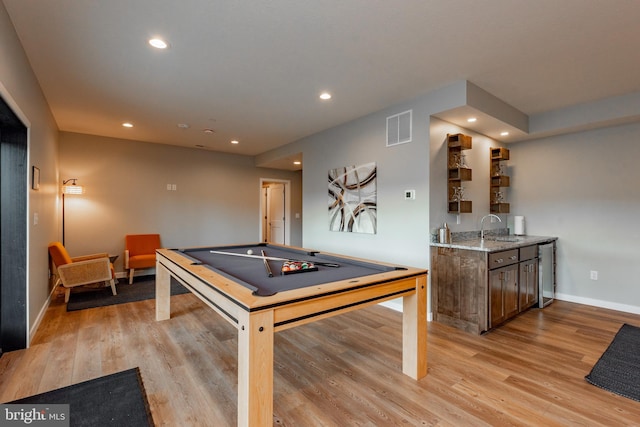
pixel 399 128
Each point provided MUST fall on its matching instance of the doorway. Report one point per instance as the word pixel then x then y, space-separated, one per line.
pixel 275 211
pixel 13 228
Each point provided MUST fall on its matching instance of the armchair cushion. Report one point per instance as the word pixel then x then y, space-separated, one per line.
pixel 140 252
pixel 59 254
pixel 142 261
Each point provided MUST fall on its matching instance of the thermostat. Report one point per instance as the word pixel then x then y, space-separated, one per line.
pixel 409 194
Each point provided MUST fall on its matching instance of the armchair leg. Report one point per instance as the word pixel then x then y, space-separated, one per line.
pixel 67 294
pixel 131 275
pixel 113 287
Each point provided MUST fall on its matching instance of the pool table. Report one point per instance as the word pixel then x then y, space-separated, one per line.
pixel 235 282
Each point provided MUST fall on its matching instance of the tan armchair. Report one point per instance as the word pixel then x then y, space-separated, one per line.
pixel 81 271
pixel 140 252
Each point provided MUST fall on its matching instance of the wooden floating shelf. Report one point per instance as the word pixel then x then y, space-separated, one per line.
pixel 499 153
pixel 500 181
pixel 460 174
pixel 462 206
pixel 457 175
pixel 459 140
pixel 499 208
pixel 496 200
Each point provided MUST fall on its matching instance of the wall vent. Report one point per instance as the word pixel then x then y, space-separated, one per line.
pixel 399 128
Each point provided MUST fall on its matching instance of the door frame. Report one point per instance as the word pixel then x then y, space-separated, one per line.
pixel 19 330
pixel 287 208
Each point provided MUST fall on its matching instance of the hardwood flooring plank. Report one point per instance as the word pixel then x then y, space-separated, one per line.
pixel 341 371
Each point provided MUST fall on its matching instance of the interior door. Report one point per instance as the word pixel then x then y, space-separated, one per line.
pixel 13 228
pixel 276 213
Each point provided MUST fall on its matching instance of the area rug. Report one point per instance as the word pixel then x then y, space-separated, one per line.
pixel 114 400
pixel 618 369
pixel 142 288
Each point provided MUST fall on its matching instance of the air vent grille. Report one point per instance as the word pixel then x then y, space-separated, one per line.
pixel 399 128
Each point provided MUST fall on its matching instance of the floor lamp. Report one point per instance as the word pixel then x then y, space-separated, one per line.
pixel 72 189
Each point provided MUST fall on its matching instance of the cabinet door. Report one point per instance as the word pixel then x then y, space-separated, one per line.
pixel 503 294
pixel 510 291
pixel 496 312
pixel 528 283
pixel 447 291
pixel 459 288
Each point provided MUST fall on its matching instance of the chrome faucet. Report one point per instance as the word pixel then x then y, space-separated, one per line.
pixel 482 224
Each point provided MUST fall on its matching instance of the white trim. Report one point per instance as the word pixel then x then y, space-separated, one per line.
pixel 41 314
pixel 599 303
pixel 287 208
pixel 396 304
pixel 6 96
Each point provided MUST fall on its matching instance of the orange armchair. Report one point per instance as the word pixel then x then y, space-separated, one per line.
pixel 140 252
pixel 82 270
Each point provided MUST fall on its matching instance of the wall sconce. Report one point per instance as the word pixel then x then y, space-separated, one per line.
pixel 72 189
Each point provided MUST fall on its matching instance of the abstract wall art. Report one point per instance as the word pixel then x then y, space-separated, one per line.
pixel 353 199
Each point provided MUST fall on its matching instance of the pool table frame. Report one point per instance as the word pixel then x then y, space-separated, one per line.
pixel 257 318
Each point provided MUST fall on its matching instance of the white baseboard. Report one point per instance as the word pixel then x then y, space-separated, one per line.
pixel 599 303
pixel 396 304
pixel 41 313
pixel 139 272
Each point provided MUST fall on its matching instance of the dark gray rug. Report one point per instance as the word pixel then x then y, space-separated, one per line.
pixel 114 400
pixel 142 288
pixel 618 369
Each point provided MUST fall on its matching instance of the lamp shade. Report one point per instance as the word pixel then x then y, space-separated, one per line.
pixel 72 189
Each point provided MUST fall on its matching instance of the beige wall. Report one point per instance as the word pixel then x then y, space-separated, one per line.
pixel 217 197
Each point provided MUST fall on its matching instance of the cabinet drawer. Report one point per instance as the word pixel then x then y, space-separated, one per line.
pixel 528 252
pixel 500 259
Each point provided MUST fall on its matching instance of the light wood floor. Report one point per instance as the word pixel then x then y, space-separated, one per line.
pixel 343 371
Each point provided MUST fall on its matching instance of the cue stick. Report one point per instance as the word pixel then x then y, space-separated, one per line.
pixel 326 264
pixel 266 264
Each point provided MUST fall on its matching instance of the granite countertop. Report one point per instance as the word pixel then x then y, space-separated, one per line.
pixel 495 243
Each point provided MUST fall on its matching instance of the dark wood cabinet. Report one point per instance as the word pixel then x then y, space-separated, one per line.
pixel 503 295
pixel 528 285
pixel 503 282
pixel 476 290
pixel 459 289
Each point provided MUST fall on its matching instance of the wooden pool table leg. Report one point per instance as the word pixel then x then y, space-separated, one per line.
pixel 414 331
pixel 163 293
pixel 255 369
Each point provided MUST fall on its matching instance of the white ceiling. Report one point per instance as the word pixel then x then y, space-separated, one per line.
pixel 253 70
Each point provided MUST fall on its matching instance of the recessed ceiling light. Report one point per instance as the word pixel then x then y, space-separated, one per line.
pixel 158 43
pixel 325 95
pixel 235 141
pixel 504 133
pixel 209 131
pixel 471 119
pixel 183 126
pixel 127 125
pixel 297 162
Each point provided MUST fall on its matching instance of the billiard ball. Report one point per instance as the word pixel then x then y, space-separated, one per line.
pixel 249 252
